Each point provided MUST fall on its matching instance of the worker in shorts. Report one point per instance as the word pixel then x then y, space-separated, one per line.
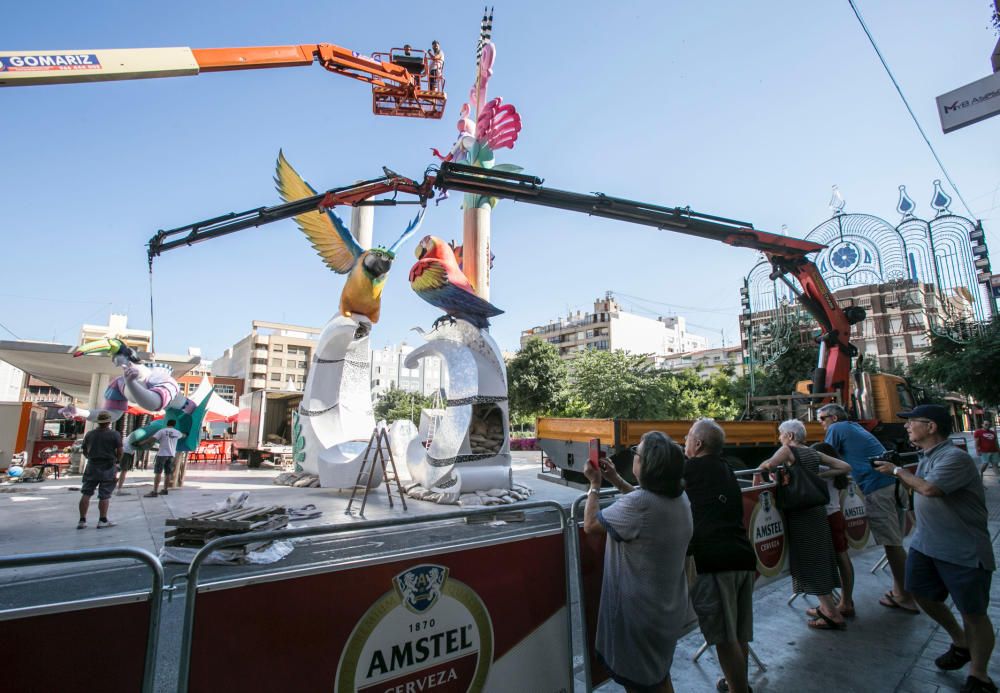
pixel 164 463
pixel 103 448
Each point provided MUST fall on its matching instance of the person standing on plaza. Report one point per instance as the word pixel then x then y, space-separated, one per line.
pixel 884 500
pixel 986 447
pixel 951 553
pixel 838 531
pixel 644 596
pixel 812 560
pixel 722 592
pixel 164 463
pixel 103 448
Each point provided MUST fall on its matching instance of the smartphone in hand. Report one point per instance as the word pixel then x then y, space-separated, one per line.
pixel 594 458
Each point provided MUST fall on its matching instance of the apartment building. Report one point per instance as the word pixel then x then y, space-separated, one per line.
pixel 274 356
pixel 388 371
pixel 608 327
pixel 706 361
pixel 118 328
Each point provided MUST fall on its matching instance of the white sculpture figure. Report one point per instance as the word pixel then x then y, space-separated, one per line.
pixel 470 449
pixel 335 420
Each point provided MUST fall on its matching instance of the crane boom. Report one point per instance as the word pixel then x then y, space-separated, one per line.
pixel 402 83
pixel 788 256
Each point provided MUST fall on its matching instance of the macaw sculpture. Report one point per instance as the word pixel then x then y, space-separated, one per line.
pixel 366 268
pixel 437 278
pixel 152 388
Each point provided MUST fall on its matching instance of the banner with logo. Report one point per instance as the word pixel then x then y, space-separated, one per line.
pixel 482 618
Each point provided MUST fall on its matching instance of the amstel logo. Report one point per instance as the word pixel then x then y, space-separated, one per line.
pixel 855 517
pixel 767 534
pixel 428 632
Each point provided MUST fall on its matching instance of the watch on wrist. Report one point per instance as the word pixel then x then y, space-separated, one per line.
pixel 593 490
pixel 895 471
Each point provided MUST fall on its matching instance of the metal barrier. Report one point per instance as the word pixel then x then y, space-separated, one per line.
pixel 194 569
pixel 85 555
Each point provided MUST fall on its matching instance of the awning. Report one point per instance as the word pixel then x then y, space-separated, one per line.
pixel 54 363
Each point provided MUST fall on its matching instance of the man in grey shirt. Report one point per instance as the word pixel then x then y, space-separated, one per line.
pixel 950 553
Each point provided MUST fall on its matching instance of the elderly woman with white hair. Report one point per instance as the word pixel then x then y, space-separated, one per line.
pixel 812 557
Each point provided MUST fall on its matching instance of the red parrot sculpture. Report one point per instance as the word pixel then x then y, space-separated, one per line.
pixel 437 278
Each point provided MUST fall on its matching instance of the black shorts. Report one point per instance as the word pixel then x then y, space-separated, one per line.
pixel 935 579
pixel 127 462
pixel 100 477
pixel 164 465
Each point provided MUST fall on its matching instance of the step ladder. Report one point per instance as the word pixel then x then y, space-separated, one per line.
pixel 378 452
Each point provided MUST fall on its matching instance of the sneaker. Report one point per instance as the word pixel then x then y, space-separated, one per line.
pixel 82 524
pixel 104 524
pixel 163 492
pixel 974 685
pixel 954 658
pixel 722 686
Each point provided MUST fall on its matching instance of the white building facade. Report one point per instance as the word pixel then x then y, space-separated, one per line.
pixel 388 372
pixel 608 327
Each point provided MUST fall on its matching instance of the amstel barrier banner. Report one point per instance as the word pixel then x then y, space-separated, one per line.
pixel 83 637
pixel 483 618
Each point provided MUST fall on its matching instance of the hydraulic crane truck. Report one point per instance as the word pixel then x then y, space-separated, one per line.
pixel 873 400
pixel 402 81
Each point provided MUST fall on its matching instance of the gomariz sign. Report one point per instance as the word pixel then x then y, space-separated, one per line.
pixel 429 632
pixel 44 62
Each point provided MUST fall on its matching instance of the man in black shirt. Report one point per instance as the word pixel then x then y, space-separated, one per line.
pixel 722 593
pixel 103 448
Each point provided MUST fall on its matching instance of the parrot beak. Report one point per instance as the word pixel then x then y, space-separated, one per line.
pixel 423 247
pixel 99 346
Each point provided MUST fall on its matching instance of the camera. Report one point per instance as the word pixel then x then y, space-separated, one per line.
pixel 890 456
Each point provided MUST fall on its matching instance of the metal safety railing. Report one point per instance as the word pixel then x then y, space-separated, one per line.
pixel 87 555
pixel 191 590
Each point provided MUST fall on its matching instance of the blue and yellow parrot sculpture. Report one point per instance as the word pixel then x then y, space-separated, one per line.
pixel 366 268
pixel 437 278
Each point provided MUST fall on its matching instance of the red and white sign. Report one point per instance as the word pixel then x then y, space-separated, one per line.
pixel 486 618
pixel 852 502
pixel 766 530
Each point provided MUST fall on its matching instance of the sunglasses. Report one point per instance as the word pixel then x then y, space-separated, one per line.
pixel 924 421
pixel 634 450
pixel 825 417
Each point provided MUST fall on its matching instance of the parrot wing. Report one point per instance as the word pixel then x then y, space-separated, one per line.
pixel 430 280
pixel 409 231
pixel 324 229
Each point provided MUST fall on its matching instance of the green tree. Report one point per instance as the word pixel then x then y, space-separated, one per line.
pixel 972 368
pixel 794 365
pixel 396 404
pixel 689 394
pixel 617 384
pixel 537 381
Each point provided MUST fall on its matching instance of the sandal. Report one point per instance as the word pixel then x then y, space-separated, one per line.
pixel 846 613
pixel 722 686
pixel 151 494
pixel 889 601
pixel 954 658
pixel 824 622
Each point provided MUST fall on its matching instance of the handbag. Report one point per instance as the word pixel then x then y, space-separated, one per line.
pixel 799 488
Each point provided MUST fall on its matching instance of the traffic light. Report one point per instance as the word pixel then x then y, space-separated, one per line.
pixel 980 253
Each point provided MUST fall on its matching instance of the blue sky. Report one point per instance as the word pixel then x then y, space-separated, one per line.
pixel 746 110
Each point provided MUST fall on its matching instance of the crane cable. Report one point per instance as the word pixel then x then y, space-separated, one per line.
pixel 152 324
pixel 906 103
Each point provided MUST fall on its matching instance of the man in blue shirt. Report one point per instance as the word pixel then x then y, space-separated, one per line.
pixel 951 553
pixel 883 499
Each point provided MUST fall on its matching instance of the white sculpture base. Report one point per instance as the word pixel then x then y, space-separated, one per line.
pixel 335 420
pixel 469 451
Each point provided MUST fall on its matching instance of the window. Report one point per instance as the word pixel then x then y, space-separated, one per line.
pixel 259 362
pixel 279 347
pixel 276 377
pixel 302 364
pixel 276 362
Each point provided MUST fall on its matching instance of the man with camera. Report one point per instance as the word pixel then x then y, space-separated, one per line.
pixel 951 553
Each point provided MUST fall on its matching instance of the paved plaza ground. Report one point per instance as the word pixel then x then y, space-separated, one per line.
pixel 882 650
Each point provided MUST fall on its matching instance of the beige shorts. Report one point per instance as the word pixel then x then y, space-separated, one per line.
pixel 724 604
pixel 885 515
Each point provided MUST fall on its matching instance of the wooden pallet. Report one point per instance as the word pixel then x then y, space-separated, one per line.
pixel 198 529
